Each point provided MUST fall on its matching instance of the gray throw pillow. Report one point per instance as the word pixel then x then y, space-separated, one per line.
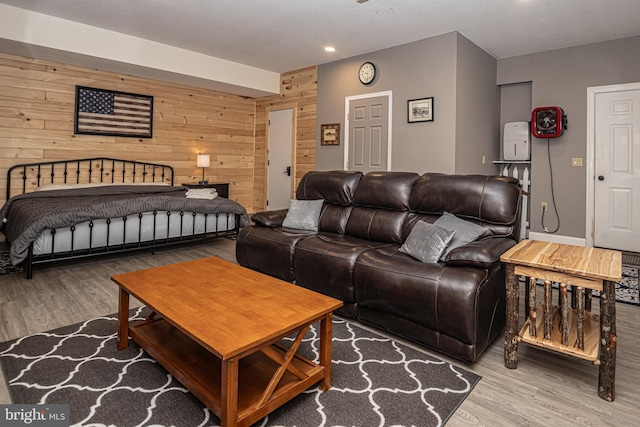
pixel 465 231
pixel 426 242
pixel 303 214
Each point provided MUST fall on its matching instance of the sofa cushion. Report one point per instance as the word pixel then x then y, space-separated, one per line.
pixel 491 201
pixel 388 190
pixel 465 231
pixel 441 298
pixel 269 250
pixel 427 242
pixel 303 214
pixel 335 187
pixel 381 205
pixel 324 263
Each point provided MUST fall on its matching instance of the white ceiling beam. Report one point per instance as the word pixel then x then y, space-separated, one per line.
pixel 27 32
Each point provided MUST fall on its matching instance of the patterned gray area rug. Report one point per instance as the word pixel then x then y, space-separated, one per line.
pixel 627 290
pixel 376 381
pixel 5 264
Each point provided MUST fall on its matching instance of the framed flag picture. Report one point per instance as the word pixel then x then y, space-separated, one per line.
pixel 107 112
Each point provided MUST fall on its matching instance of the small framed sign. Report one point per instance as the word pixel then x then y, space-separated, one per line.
pixel 330 134
pixel 420 110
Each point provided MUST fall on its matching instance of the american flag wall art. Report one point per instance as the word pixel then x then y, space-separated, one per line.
pixel 107 112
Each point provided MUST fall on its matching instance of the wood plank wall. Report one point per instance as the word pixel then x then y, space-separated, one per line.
pixel 36 124
pixel 298 90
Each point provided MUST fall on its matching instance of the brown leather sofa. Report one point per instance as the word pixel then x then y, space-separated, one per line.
pixel 456 306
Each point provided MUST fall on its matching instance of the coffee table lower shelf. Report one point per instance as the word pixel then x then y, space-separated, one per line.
pixel 200 371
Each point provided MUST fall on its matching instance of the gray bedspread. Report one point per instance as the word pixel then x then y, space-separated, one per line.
pixel 24 217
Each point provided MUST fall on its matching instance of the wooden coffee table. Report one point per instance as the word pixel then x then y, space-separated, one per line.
pixel 215 326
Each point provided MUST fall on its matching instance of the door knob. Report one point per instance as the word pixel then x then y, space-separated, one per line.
pixel 600 178
pixel 287 171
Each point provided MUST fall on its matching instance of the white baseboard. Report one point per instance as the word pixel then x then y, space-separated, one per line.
pixel 553 238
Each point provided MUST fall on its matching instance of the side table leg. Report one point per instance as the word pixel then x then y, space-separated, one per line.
pixel 511 328
pixel 326 330
pixel 608 341
pixel 123 319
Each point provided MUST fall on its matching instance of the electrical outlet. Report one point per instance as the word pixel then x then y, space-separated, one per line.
pixel 543 206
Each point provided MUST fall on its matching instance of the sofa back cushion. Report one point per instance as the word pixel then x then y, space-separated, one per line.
pixel 494 202
pixel 381 206
pixel 336 188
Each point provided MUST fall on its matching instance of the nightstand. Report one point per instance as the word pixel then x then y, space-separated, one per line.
pixel 563 329
pixel 221 187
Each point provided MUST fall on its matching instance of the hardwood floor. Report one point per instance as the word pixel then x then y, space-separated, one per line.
pixel 545 390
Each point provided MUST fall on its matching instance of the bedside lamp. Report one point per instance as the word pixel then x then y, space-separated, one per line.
pixel 203 161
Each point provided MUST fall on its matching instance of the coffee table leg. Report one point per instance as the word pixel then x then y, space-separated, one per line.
pixel 123 319
pixel 229 397
pixel 608 341
pixel 326 331
pixel 511 329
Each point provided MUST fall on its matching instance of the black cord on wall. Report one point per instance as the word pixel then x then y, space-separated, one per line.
pixel 553 197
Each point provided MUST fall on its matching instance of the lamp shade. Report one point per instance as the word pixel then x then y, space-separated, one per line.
pixel 203 161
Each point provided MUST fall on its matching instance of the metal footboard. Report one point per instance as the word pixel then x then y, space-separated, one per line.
pixel 126 245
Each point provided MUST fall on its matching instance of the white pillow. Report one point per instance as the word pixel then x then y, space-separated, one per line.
pixel 62 186
pixel 303 214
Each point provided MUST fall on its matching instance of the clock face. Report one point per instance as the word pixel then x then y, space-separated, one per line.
pixel 367 73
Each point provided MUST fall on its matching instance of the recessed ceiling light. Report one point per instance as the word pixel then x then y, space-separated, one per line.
pixel 329 49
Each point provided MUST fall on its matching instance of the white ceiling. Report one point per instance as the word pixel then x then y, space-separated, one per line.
pixel 284 35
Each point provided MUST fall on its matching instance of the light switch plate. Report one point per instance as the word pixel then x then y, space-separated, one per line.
pixel 576 161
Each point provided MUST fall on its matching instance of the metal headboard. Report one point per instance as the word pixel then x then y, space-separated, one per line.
pixel 96 170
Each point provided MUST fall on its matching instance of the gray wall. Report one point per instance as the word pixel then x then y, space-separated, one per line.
pixel 515 106
pixel 477 110
pixel 417 70
pixel 561 77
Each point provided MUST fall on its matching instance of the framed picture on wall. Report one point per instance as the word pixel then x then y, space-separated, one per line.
pixel 107 112
pixel 420 110
pixel 330 134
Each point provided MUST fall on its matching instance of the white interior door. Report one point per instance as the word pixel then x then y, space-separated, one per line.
pixel 368 137
pixel 279 158
pixel 617 170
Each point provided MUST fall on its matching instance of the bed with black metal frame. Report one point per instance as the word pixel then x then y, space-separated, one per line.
pixel 184 220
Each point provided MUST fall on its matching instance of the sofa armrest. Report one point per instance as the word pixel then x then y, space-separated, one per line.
pixel 270 218
pixel 480 253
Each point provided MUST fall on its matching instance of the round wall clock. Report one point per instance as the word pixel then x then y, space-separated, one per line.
pixel 547 122
pixel 367 73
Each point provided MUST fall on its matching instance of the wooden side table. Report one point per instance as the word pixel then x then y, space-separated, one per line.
pixel 221 187
pixel 571 331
